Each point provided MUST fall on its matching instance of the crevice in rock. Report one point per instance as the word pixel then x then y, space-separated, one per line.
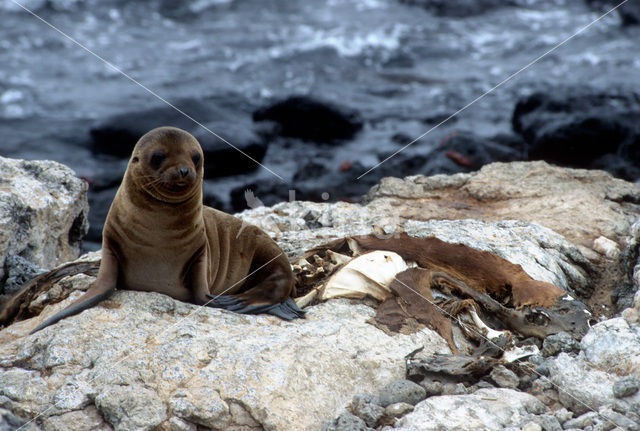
pixel 78 230
pixel 235 403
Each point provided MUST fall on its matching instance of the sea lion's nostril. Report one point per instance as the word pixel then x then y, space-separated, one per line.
pixel 184 172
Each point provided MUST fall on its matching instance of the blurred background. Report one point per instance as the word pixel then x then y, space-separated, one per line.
pixel 320 92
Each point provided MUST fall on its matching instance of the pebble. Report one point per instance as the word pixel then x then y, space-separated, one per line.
pixel 398 409
pixel 504 377
pixel 560 342
pixel 613 419
pixel 549 423
pixel 432 387
pixel 366 407
pixel 581 421
pixel 536 359
pixel 563 415
pixel 626 387
pixel 454 389
pixel 402 391
pixel 531 426
pixel 346 422
pixel 631 315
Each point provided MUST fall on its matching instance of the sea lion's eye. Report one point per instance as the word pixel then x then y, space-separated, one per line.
pixel 157 159
pixel 196 159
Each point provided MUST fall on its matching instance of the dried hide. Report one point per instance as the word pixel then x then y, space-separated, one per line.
pixel 20 305
pixel 484 284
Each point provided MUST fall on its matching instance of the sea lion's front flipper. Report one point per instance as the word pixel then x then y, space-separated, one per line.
pixel 287 310
pixel 101 289
pixel 89 299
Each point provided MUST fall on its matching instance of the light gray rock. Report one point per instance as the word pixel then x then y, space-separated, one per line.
pixel 504 377
pixel 398 409
pixel 531 426
pixel 580 386
pixel 563 415
pixel 204 366
pixel 401 391
pixel 614 346
pixel 548 423
pixel 131 407
pixel 611 419
pixel 482 410
pixel 43 216
pixel 582 421
pixel 626 387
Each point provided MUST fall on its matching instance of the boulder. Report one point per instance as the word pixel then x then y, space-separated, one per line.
pixel 43 218
pixel 142 360
pixel 629 12
pixel 577 127
pixel 536 192
pixel 484 409
pixel 311 119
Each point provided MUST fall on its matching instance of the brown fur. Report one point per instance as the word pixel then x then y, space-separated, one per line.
pixel 483 271
pixel 505 290
pixel 159 237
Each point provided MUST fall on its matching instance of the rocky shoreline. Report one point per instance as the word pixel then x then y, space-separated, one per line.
pixel 145 361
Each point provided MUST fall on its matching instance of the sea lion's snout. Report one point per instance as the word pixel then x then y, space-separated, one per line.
pixel 172 164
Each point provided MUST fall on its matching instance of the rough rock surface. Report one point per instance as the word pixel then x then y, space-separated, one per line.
pixel 484 409
pixel 144 361
pixel 43 217
pixel 141 362
pixel 610 351
pixel 536 192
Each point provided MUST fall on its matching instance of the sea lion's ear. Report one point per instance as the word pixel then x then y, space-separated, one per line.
pixel 135 160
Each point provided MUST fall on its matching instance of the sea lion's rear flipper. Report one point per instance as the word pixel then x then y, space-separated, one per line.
pixel 88 302
pixel 287 310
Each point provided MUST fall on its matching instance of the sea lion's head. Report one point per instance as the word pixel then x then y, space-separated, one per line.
pixel 167 164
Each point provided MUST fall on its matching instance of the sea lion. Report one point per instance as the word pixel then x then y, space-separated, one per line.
pixel 159 237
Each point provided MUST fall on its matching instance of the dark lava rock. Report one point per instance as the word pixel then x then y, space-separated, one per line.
pixel 10 422
pixel 629 12
pixel 560 342
pixel 311 119
pixel 312 182
pixel 18 271
pixel 402 391
pixel 346 422
pixel 226 116
pixel 577 127
pixel 456 8
pixel 318 181
pixel 366 407
pixel 459 152
pixel 626 387
pixel 99 202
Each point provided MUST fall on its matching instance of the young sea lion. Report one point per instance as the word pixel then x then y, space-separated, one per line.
pixel 159 237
